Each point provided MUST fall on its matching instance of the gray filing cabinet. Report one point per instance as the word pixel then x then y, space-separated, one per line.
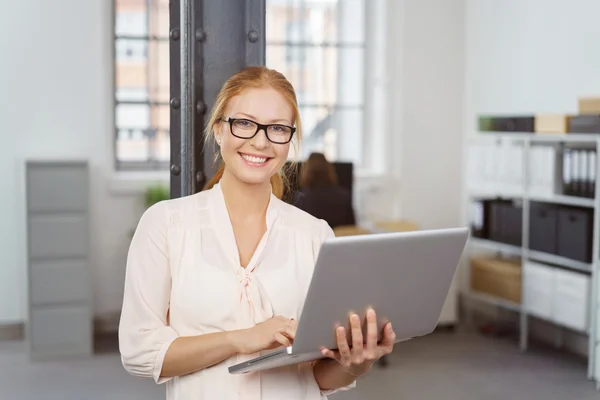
pixel 60 291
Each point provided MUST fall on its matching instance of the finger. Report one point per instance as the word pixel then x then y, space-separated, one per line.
pixel 293 324
pixel 371 332
pixel 357 338
pixel 389 338
pixel 342 342
pixel 282 340
pixel 331 354
pixel 289 332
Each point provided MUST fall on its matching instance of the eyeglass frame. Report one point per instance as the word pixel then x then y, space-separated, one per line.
pixel 259 127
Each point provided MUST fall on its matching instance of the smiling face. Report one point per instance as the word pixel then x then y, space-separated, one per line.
pixel 255 160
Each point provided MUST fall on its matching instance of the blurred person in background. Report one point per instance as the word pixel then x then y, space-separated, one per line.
pixel 321 196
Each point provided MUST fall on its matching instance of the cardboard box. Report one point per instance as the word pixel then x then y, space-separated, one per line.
pixel 552 123
pixel 589 105
pixel 497 277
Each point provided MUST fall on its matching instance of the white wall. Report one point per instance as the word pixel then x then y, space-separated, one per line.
pixel 529 57
pixel 430 110
pixel 56 101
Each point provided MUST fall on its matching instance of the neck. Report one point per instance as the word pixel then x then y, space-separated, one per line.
pixel 244 201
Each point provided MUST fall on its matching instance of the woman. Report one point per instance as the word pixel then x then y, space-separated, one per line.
pixel 320 194
pixel 219 276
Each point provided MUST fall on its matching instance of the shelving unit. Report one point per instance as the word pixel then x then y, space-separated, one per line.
pixel 538 266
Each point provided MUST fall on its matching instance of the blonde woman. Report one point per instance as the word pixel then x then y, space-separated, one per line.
pixel 220 276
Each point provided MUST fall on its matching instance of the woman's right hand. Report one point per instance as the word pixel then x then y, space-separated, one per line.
pixel 270 334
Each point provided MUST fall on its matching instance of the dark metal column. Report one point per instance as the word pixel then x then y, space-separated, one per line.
pixel 210 41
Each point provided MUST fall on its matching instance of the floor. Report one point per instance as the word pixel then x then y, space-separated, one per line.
pixel 452 366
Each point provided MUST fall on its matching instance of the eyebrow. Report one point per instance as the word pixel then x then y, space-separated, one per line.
pixel 273 121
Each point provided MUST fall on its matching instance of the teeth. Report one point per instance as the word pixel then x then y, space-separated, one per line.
pixel 259 160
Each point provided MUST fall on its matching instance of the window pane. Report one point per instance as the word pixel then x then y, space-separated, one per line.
pixel 131 76
pixel 351 21
pixel 132 145
pixel 351 76
pixel 334 21
pixel 158 70
pixel 131 94
pixel 348 125
pixel 162 146
pixel 130 18
pixel 160 117
pixel 322 75
pixel 133 116
pixel 315 122
pixel 131 51
pixel 159 18
pixel 336 132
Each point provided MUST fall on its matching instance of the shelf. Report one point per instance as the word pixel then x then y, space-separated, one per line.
pixel 541 137
pixel 496 301
pixel 560 261
pixel 566 138
pixel 565 200
pixel 496 246
pixel 481 195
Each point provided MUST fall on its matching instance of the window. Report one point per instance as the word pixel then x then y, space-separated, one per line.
pixel 142 84
pixel 319 45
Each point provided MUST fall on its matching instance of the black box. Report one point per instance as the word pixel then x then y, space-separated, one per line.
pixel 543 225
pixel 588 123
pixel 574 233
pixel 507 124
pixel 506 222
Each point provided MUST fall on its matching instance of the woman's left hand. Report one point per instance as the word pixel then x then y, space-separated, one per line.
pixel 359 358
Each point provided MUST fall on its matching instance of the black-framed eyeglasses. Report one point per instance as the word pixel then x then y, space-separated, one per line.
pixel 246 129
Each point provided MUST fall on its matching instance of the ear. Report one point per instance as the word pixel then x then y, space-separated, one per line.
pixel 217 133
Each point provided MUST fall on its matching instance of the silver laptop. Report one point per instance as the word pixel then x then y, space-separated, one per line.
pixel 404 276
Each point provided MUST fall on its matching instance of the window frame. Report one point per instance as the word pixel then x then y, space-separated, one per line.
pixel 150 165
pixel 303 44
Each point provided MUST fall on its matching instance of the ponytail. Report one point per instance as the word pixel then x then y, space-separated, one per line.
pixel 277 183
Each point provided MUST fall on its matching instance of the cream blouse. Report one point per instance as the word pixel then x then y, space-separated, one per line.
pixel 184 278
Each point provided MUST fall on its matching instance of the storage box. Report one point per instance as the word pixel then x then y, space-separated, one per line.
pixel 522 124
pixel 587 123
pixel 589 105
pixel 497 277
pixel 552 123
pixel 575 233
pixel 505 222
pixel 543 226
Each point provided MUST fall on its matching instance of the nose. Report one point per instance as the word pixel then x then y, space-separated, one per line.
pixel 260 140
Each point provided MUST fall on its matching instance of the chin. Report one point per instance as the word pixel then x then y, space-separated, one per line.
pixel 255 174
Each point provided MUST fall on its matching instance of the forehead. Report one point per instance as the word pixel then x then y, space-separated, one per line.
pixel 265 104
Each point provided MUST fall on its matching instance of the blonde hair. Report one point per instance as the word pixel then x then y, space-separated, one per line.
pixel 256 77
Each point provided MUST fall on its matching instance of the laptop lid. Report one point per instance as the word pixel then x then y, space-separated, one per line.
pixel 404 276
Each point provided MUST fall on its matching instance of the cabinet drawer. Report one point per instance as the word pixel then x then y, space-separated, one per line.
pixel 57 187
pixel 539 284
pixel 61 331
pixel 55 236
pixel 59 282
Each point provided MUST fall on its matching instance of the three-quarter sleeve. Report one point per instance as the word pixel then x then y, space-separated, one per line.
pixel 144 333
